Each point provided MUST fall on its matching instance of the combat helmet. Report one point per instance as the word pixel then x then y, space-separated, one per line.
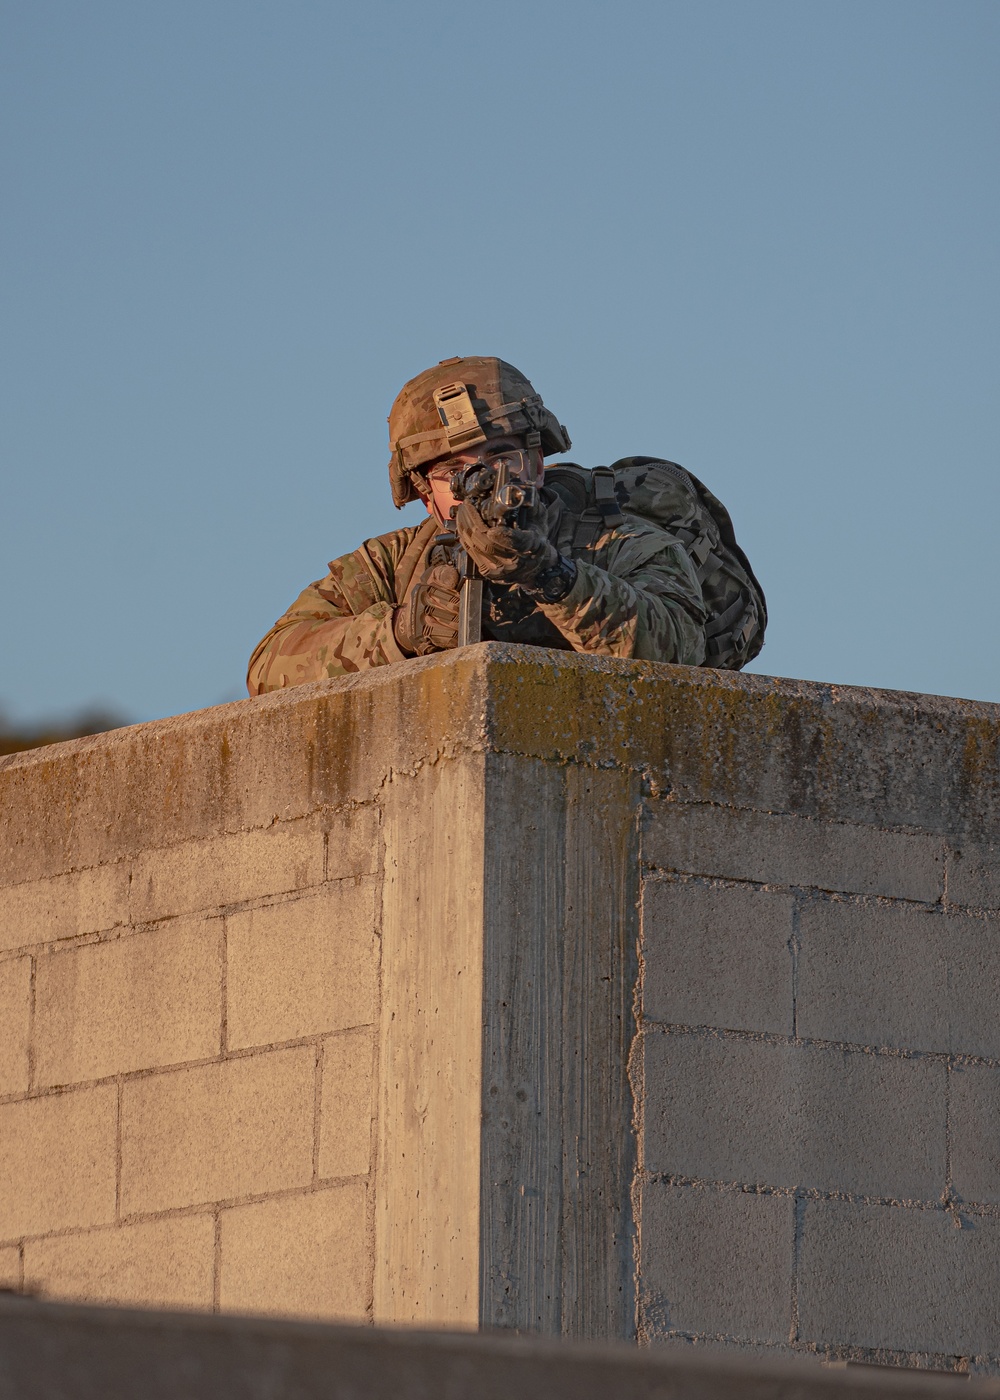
pixel 458 404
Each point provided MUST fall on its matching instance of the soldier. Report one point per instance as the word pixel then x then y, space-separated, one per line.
pixel 584 564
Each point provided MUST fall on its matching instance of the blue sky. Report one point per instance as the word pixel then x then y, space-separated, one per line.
pixel 758 238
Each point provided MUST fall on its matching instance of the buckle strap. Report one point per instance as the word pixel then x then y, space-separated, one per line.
pixel 699 549
pixel 724 620
pixel 602 490
pixel 719 641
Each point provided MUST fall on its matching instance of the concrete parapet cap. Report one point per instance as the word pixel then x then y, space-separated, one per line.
pixel 499 670
pixel 881 758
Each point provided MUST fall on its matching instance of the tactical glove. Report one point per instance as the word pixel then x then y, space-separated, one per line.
pixel 506 553
pixel 428 620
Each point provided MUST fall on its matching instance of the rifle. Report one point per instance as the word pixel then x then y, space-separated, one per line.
pixel 504 494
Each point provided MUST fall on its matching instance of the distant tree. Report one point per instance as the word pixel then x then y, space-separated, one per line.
pixel 15 738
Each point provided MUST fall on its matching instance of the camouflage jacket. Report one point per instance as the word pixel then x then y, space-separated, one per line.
pixel 636 595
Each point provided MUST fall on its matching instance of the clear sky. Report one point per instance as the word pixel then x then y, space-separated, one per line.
pixel 759 238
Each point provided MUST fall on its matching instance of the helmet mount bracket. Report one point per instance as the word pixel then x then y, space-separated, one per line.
pixel 458 415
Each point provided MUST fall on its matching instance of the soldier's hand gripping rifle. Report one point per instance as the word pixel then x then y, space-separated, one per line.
pixel 503 494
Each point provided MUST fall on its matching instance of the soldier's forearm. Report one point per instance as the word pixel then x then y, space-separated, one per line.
pixel 295 652
pixel 608 616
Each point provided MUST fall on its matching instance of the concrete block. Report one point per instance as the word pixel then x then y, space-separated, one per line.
pixel 975 1133
pixel 782 849
pixel 716 1262
pixel 304 967
pixel 694 935
pixel 794 1116
pixel 10 1267
pixel 15 1017
pixel 150 999
pixel 872 974
pixel 345 1144
pixel 870 1124
pixel 218 1132
pixel 895 975
pixel 974 875
pixel 972 992
pixel 57 1168
pixel 162 1263
pixel 903 1279
pixel 307 1256
pixel 203 875
pixel 353 842
pixel 41 911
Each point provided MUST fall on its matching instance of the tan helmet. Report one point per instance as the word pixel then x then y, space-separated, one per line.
pixel 457 405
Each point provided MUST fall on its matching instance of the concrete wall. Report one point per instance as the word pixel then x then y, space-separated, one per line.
pixel 188 1039
pixel 820 1095
pixel 517 989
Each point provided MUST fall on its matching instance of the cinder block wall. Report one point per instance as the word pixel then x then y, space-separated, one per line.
pixel 517 989
pixel 187 1051
pixel 192 914
pixel 821 1037
pixel 820 1045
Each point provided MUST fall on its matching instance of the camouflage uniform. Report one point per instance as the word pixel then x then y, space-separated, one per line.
pixel 636 594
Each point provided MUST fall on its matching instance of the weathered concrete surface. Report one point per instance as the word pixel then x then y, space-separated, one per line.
pixel 61 1352
pixel 516 989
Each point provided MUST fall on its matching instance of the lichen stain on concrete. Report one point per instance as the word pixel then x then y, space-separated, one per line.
pixel 980 751
pixel 416 709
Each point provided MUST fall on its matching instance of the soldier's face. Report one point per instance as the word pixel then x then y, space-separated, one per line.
pixel 440 502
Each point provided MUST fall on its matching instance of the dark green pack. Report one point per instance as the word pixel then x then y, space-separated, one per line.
pixel 679 503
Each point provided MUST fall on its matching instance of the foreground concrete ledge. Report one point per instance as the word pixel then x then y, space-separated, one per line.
pixel 51 1351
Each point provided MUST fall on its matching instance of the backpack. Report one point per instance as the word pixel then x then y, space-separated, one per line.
pixel 670 497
